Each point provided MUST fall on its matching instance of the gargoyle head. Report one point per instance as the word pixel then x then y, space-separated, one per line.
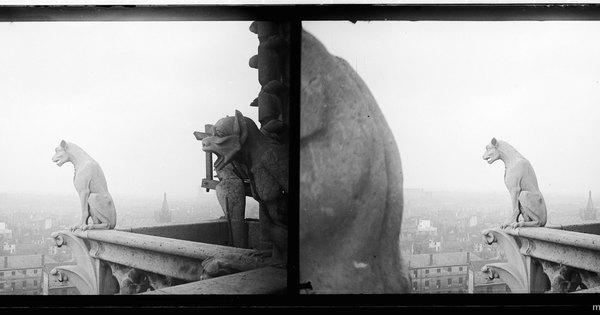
pixel 61 156
pixel 229 134
pixel 491 151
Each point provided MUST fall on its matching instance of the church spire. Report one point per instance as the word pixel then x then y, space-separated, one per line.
pixel 165 205
pixel 589 213
pixel 164 215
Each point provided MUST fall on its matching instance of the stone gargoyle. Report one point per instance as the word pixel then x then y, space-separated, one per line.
pixel 90 183
pixel 520 179
pixel 237 140
pixel 351 198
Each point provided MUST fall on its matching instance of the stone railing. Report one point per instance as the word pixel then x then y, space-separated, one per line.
pixel 553 259
pixel 178 259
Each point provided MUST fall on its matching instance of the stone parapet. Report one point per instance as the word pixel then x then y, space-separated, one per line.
pixel 551 259
pixel 122 262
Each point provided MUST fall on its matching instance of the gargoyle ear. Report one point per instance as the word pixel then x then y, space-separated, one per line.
pixel 63 144
pixel 239 127
pixel 494 142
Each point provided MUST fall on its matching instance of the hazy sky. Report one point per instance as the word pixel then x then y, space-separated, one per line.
pixel 447 88
pixel 129 93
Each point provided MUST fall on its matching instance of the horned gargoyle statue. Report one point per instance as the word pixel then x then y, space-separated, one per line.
pixel 238 141
pixel 91 186
pixel 520 179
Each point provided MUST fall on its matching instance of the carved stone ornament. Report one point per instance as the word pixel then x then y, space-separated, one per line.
pixel 567 279
pixel 84 274
pixel 513 272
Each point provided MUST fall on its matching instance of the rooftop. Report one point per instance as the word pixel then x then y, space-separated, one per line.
pixel 441 259
pixel 20 262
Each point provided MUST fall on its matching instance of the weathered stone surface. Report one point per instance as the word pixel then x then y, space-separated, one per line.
pixel 253 62
pixel 273 128
pixel 350 182
pixel 268 65
pixel 211 232
pixel 275 42
pixel 274 87
pixel 269 107
pixel 129 280
pixel 254 103
pixel 238 140
pixel 231 194
pixel 266 29
pixel 169 257
pixel 254 27
pixel 267 280
pixel 547 259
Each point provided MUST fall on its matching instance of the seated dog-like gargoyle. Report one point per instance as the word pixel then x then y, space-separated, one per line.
pixel 520 179
pixel 238 141
pixel 91 186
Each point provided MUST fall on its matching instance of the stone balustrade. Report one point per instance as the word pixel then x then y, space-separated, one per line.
pixel 552 259
pixel 134 261
pixel 197 258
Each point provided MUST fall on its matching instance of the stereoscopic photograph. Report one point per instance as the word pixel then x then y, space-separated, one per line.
pixel 144 157
pixel 234 153
pixel 441 156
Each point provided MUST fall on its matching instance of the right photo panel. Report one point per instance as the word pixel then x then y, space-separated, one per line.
pixel 449 157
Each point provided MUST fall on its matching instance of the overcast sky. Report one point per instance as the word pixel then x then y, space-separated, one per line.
pixel 447 88
pixel 129 93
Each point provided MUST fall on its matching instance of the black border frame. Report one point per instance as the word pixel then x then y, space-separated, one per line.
pixel 295 14
pixel 352 12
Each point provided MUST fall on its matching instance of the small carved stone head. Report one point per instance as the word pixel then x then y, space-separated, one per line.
pixel 491 151
pixel 61 156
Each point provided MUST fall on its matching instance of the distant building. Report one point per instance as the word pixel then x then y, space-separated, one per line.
pixel 440 273
pixel 21 275
pixel 33 248
pixel 473 221
pixel 40 226
pixel 454 245
pixel 589 213
pixel 4 232
pixel 424 227
pixel 435 245
pixel 164 215
pixel 478 247
pixel 9 248
pixel 481 283
pixel 408 229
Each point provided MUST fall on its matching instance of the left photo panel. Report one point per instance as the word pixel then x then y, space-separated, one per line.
pixel 146 157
